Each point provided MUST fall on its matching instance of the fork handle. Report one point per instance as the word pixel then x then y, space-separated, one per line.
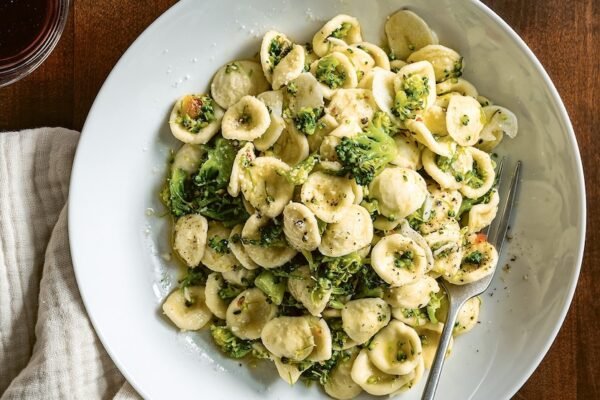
pixel 438 361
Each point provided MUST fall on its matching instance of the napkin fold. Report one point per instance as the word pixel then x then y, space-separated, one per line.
pixel 48 347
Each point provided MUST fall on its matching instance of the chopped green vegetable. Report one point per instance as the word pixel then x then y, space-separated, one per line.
pixel 404 260
pixel 365 155
pixel 306 119
pixel 435 303
pixel 330 73
pixel 194 277
pixel 464 119
pixel 196 112
pixel 173 194
pixel 411 97
pixel 220 246
pixel 229 291
pixel 271 235
pixel 230 344
pixel 342 31
pixel 320 371
pixel 298 174
pixel 467 204
pixel 292 88
pixel 271 285
pixel 475 257
pixel 278 49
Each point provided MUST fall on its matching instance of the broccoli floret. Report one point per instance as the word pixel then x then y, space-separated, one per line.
pixel 369 284
pixel 320 371
pixel 299 173
pixel 306 119
pixel 411 97
pixel 467 204
pixel 365 155
pixel 230 344
pixel 404 260
pixel 329 72
pixel 271 235
pixel 278 48
pixel 271 285
pixel 435 303
pixel 174 194
pixel 340 270
pixel 211 197
pixel 339 337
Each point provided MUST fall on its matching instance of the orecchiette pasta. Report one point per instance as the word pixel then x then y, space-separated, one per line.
pixel 187 309
pixel 323 195
pixel 248 314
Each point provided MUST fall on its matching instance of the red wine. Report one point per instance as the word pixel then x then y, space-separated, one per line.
pixel 24 26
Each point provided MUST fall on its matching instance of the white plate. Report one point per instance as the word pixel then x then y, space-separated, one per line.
pixel 119 166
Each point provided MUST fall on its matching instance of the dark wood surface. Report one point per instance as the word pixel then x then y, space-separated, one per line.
pixel 564 36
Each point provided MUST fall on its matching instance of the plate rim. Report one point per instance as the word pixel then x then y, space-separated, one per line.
pixel 564 116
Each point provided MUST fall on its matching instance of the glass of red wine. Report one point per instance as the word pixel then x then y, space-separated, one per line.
pixel 29 31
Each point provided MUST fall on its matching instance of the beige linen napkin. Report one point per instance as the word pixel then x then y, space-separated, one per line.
pixel 48 348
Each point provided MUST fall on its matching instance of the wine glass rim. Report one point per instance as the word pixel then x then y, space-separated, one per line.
pixel 36 57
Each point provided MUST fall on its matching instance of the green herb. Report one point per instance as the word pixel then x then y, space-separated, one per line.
pixel 196 276
pixel 229 291
pixel 475 257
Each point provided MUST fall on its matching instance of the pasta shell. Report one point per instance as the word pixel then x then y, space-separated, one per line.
pixel 499 121
pixel 464 120
pixel 446 62
pixel 300 227
pixel 327 196
pixel 213 259
pixel 243 159
pixel 377 53
pixel 342 27
pixel 214 302
pixel 190 238
pixel 474 271
pixel 265 188
pixel 408 153
pixel 458 85
pixel 247 119
pixel 289 68
pixel 443 146
pixel 291 147
pixel 187 310
pixel 414 295
pixel 188 158
pixel 398 260
pixel 305 290
pixel 352 105
pixel 323 341
pixel 407 32
pixel 474 189
pixel 363 318
pixel 248 313
pixel 238 250
pixel 179 116
pixel 334 71
pixel 289 337
pixel 353 232
pixel 274 45
pixel 399 192
pixel 236 80
pixel 396 349
pixel 340 385
pixel 266 257
pixel 374 381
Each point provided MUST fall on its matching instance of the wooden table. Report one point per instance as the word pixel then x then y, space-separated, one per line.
pixel 564 36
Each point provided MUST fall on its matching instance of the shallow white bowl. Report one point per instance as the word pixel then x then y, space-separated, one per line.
pixel 119 166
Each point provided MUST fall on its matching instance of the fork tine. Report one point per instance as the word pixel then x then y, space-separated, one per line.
pixel 499 235
pixel 499 179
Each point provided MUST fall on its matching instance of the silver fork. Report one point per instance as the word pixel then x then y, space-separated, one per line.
pixel 459 294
